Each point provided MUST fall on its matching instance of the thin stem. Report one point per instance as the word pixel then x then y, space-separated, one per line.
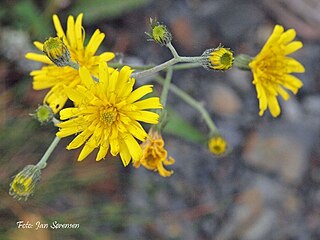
pixel 164 65
pixel 155 69
pixel 73 65
pixel 173 50
pixel 43 161
pixel 193 103
pixel 166 86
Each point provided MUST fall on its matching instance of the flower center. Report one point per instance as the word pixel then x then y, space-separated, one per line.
pixel 226 59
pixel 108 116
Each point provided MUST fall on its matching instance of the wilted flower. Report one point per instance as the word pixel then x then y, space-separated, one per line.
pixel 155 155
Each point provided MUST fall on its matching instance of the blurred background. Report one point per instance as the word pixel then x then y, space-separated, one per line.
pixel 266 188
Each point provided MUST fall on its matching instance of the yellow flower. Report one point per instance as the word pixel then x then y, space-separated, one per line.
pixel 107 114
pixel 154 154
pixel 217 145
pixel 219 58
pixel 24 183
pixel 56 78
pixel 272 70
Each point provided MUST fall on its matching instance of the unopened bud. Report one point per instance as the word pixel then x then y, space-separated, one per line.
pixel 57 51
pixel 24 183
pixel 219 58
pixel 159 33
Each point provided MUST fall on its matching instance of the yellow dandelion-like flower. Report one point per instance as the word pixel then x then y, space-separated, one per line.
pixel 219 58
pixel 272 70
pixel 57 78
pixel 107 114
pixel 154 154
pixel 217 145
pixel 24 183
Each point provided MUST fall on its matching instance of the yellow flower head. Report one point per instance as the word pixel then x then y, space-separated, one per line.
pixel 217 145
pixel 107 114
pixel 24 183
pixel 57 78
pixel 154 154
pixel 57 51
pixel 219 58
pixel 272 70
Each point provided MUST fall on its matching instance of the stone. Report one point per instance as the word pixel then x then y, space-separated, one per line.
pixel 224 101
pixel 280 148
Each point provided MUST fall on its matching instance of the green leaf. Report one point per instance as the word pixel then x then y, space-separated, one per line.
pixel 178 126
pixel 96 10
pixel 28 16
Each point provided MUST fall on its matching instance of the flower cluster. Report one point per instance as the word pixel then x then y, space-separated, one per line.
pixel 57 77
pixel 108 110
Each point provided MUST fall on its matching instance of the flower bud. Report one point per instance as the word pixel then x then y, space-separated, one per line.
pixel 24 183
pixel 217 145
pixel 57 51
pixel 43 114
pixel 219 58
pixel 159 33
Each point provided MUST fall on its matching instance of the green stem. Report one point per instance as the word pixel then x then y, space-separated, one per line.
pixel 164 65
pixel 43 161
pixel 173 50
pixel 73 65
pixel 193 103
pixel 155 69
pixel 166 87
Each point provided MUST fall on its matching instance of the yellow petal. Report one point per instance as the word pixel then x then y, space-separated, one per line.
pixel 273 106
pixel 292 47
pixel 149 103
pixel 106 56
pixel 78 32
pixel 38 45
pixel 94 43
pixel 133 147
pixel 38 57
pixel 104 74
pixel 287 36
pixel 71 32
pixel 86 77
pixel 145 116
pixel 294 66
pixel 68 113
pixel 102 151
pixel 86 150
pixel 79 140
pixel 124 154
pixel 283 93
pixel 58 27
pixel 139 93
pixel 292 83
